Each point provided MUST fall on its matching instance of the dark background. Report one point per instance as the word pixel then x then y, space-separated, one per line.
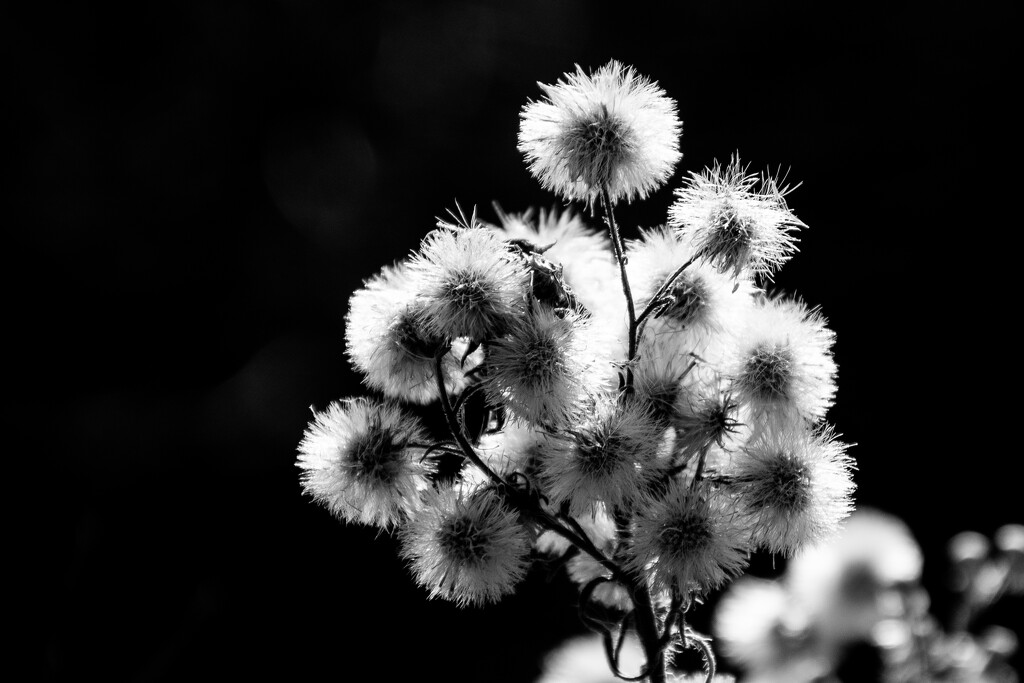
pixel 199 186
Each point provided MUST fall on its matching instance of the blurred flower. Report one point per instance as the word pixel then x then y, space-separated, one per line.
pixel 736 220
pixel 466 546
pixel 362 459
pixel 583 660
pixel 611 130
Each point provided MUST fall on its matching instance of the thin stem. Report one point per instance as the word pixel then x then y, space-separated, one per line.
pixel 654 302
pixel 620 258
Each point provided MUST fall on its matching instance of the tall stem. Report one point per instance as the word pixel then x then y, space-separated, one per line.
pixel 620 258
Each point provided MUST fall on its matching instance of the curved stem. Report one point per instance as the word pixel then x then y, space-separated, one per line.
pixel 662 291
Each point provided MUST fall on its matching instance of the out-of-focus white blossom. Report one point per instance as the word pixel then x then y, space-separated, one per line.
pixel 582 660
pixel 610 130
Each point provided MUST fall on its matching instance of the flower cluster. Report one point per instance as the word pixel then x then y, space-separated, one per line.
pixel 646 411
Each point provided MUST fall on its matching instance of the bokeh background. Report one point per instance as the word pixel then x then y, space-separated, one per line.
pixel 201 185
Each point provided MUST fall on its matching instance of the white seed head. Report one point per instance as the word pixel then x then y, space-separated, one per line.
pixel 466 546
pixel 470 284
pixel 795 486
pixel 362 459
pixel 736 220
pixel 612 129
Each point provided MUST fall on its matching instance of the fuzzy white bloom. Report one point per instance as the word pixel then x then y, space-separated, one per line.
pixel 540 367
pixel 795 484
pixel 467 547
pixel 386 340
pixel 470 284
pixel 614 455
pixel 689 538
pixel 750 623
pixel 585 255
pixel 362 459
pixel 610 130
pixel 707 302
pixel 582 660
pixel 700 677
pixel 737 221
pixel 782 366
pixel 848 585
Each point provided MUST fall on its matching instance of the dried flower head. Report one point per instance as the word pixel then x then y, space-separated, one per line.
pixel 388 341
pixel 470 284
pixel 611 130
pixel 737 221
pixel 539 368
pixel 362 459
pixel 613 455
pixel 688 538
pixel 467 547
pixel 795 484
pixel 705 301
pixel 782 367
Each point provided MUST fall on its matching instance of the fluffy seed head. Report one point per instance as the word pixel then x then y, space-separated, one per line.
pixel 706 302
pixel 612 129
pixel 689 538
pixel 388 341
pixel 470 284
pixel 467 547
pixel 794 484
pixel 360 458
pixel 613 456
pixel 782 367
pixel 737 221
pixel 540 366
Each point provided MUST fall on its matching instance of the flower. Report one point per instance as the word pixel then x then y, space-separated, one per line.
pixel 362 459
pixel 688 538
pixel 540 366
pixel 736 220
pixel 782 366
pixel 704 413
pixel 466 546
pixel 612 458
pixel 612 130
pixel 387 340
pixel 705 301
pixel 582 660
pixel 471 285
pixel 848 585
pixel 795 485
pixel 749 622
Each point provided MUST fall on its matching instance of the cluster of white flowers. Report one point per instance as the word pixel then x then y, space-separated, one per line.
pixel 651 412
pixel 862 590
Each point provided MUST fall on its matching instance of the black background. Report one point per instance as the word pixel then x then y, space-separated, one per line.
pixel 199 186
